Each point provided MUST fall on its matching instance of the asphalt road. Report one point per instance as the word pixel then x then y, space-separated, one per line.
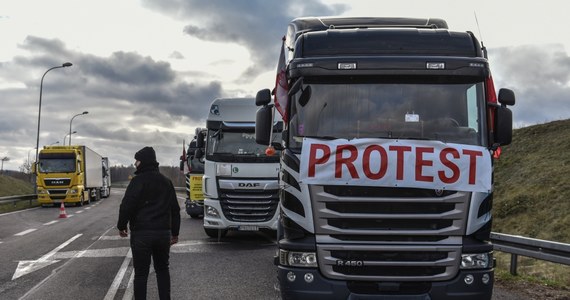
pixel 43 256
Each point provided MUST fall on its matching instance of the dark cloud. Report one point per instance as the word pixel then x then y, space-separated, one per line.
pixel 258 25
pixel 540 77
pixel 133 100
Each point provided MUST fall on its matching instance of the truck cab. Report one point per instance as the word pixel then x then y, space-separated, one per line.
pixel 240 182
pixel 386 184
pixel 193 168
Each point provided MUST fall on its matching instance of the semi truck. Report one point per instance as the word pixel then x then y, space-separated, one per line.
pixel 240 182
pixel 193 168
pixel 106 189
pixel 386 185
pixel 69 175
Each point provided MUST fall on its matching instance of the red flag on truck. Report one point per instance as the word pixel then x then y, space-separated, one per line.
pixel 281 86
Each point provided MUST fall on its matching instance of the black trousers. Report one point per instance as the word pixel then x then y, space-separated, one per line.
pixel 144 245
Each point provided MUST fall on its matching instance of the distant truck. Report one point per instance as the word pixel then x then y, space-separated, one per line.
pixel 240 181
pixel 193 169
pixel 386 186
pixel 68 174
pixel 106 190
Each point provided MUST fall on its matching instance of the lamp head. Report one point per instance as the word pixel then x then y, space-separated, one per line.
pixel 67 64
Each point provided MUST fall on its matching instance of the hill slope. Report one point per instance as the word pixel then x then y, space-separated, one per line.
pixel 11 186
pixel 532 183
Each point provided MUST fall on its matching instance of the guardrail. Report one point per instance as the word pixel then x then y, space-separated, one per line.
pixel 529 247
pixel 18 198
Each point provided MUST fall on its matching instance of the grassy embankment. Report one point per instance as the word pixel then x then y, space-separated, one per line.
pixel 11 186
pixel 532 197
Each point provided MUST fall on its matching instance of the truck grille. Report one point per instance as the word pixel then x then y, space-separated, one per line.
pixel 388 234
pixel 57 181
pixel 57 194
pixel 246 204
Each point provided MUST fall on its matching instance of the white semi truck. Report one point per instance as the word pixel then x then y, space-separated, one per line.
pixel 240 183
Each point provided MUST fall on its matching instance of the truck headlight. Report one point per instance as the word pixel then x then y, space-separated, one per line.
pixel 72 191
pixel 224 169
pixel 298 259
pixel 212 212
pixel 477 261
pixel 43 192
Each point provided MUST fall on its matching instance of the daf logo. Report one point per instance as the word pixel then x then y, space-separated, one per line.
pixel 249 184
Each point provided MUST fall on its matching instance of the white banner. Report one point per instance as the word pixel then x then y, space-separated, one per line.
pixel 396 163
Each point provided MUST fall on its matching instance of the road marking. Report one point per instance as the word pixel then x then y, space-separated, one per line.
pixel 88 208
pixel 118 278
pixel 29 266
pixel 79 211
pixel 25 232
pixel 112 238
pixel 49 223
pixel 129 292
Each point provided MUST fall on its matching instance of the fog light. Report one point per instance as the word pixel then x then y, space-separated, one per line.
pixel 291 276
pixel 486 278
pixel 309 277
pixel 469 279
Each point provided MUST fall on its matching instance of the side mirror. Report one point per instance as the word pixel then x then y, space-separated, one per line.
pixel 506 97
pixel 200 138
pixel 263 97
pixel 503 126
pixel 34 168
pixel 199 153
pixel 181 165
pixel 263 124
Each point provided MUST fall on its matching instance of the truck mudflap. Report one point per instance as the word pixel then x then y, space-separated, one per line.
pixel 302 283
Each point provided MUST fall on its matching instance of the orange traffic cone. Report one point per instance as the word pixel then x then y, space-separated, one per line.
pixel 62 213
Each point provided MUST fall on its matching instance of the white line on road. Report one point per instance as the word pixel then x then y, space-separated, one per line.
pixel 79 211
pixel 28 266
pixel 25 232
pixel 129 292
pixel 49 223
pixel 118 278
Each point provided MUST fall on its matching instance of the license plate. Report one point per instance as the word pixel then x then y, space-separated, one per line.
pixel 248 228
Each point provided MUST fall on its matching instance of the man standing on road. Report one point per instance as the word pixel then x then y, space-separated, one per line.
pixel 151 209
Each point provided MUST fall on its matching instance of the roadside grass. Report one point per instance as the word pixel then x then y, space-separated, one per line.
pixel 11 186
pixel 532 271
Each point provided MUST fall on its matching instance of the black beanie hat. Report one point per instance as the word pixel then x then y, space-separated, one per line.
pixel 146 155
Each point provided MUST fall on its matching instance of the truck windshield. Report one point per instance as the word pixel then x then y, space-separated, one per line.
pixel 237 146
pixel 57 165
pixel 448 112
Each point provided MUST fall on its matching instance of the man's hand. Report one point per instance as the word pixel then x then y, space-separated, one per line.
pixel 173 240
pixel 123 233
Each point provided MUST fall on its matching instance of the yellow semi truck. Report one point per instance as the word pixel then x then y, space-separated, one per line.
pixel 68 174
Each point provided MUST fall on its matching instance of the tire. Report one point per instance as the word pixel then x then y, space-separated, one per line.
pixel 213 233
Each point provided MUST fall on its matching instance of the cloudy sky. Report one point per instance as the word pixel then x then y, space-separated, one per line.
pixel 147 70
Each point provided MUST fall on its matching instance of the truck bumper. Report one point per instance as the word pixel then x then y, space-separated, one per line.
pixel 323 288
pixel 220 221
pixel 194 208
pixel 47 199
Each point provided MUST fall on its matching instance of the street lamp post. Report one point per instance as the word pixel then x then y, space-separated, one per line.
pixel 67 134
pixel 83 113
pixel 64 65
pixel 3 160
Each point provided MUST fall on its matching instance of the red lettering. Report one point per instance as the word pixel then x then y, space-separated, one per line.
pixel 446 162
pixel 472 163
pixel 349 161
pixel 421 162
pixel 400 159
pixel 383 162
pixel 314 160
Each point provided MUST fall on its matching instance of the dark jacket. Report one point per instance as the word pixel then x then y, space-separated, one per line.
pixel 150 203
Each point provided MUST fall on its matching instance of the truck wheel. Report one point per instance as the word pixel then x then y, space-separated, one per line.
pixel 213 233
